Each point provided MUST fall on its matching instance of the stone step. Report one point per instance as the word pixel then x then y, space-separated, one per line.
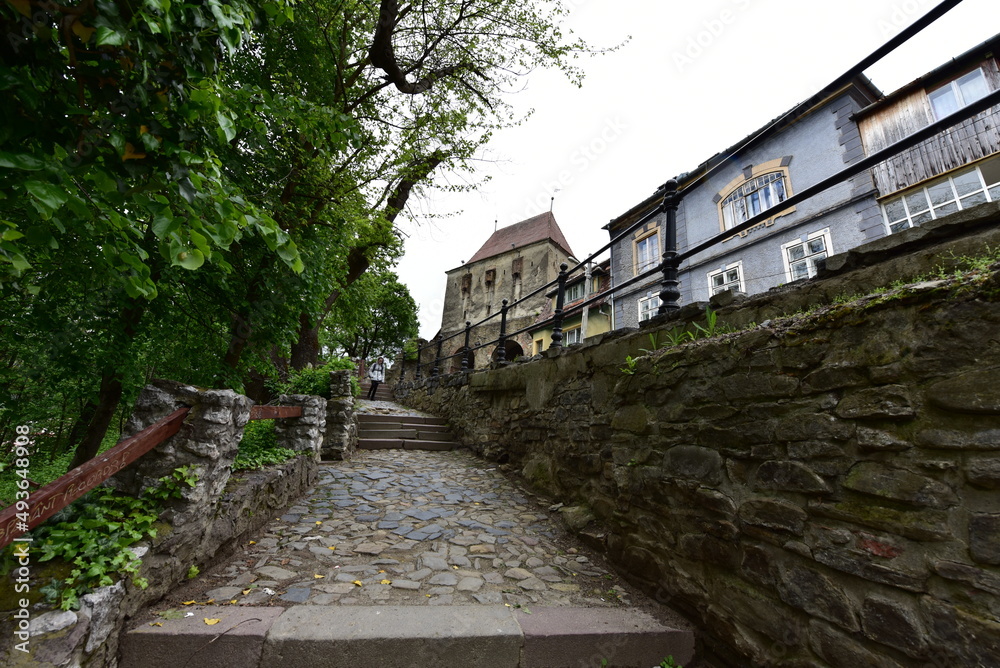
pixel 406 636
pixel 404 434
pixel 404 444
pixel 372 418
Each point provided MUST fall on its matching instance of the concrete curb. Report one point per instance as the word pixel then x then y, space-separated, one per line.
pixel 405 637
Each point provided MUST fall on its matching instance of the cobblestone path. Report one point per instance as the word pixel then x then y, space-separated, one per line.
pixel 398 527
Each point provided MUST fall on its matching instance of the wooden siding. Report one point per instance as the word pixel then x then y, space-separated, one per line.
pixel 967 142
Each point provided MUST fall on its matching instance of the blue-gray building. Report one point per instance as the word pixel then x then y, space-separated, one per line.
pixel 809 143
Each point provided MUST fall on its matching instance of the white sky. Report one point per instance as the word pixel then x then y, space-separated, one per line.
pixel 695 78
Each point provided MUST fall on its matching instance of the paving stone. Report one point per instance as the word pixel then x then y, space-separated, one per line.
pixel 296 595
pixel 405 584
pixel 518 574
pixel 470 584
pixel 449 579
pixel 277 573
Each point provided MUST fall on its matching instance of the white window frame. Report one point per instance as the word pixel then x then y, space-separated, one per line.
pixel 573 332
pixel 577 287
pixel 915 206
pixel 650 260
pixel 649 307
pixel 727 284
pixel 739 205
pixel 810 258
pixel 954 91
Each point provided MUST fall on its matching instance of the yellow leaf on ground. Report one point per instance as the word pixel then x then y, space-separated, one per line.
pixel 318 522
pixel 319 577
pixel 188 602
pixel 212 622
pixel 246 591
pixel 359 583
pixel 332 547
pixel 209 601
pixel 232 602
pixel 156 623
pixel 253 542
pixel 387 582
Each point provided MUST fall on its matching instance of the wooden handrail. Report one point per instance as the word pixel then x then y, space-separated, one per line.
pixel 65 490
pixel 272 412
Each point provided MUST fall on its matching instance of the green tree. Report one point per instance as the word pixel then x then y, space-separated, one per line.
pixel 372 318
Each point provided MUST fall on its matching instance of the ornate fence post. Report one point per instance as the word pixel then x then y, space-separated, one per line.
pixel 465 351
pixel 670 293
pixel 437 360
pixel 502 349
pixel 557 319
pixel 420 354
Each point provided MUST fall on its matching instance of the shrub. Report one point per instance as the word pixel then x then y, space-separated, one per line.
pixel 259 447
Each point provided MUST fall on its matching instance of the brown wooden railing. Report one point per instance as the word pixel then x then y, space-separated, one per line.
pixel 22 516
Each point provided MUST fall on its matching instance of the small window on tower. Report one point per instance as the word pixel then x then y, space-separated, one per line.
pixel 516 266
pixel 491 276
pixel 466 284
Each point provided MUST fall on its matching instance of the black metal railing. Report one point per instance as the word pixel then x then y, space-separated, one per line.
pixel 672 195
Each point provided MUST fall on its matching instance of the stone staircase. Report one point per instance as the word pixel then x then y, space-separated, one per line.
pixel 383 393
pixel 377 431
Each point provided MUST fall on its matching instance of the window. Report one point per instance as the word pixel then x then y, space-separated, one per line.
pixel 648 307
pixel 730 278
pixel 647 253
pixel 575 292
pixel 537 346
pixel 571 336
pixel 960 190
pixel 754 196
pixel 958 93
pixel 801 256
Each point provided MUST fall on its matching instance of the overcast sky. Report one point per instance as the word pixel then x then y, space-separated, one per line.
pixel 694 79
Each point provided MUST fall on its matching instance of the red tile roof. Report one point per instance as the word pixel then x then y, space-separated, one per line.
pixel 521 234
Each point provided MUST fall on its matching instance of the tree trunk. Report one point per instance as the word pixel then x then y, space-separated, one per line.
pixel 305 350
pixel 108 398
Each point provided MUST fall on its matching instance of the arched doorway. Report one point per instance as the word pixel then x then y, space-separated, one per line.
pixel 512 350
pixel 456 360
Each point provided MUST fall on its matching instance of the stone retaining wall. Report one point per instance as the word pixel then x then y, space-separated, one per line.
pixel 218 513
pixel 816 490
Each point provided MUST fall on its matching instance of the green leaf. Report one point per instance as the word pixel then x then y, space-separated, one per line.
pixel 164 223
pixel 191 258
pixel 227 126
pixel 51 196
pixel 109 37
pixel 20 161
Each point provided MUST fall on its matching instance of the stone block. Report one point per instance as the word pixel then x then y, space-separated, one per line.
pixel 816 594
pixel 814 426
pixel 693 463
pixel 899 485
pixel 834 377
pixel 888 401
pixel 879 440
pixel 634 419
pixel 774 514
pixel 951 439
pixel 958 638
pixel 789 476
pixel 923 525
pixel 983 472
pixel 984 538
pixel 894 623
pixel 975 392
pixel 840 649
pixel 867 566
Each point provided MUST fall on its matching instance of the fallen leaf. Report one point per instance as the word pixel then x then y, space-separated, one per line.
pixel 172 613
pixel 253 542
pixel 359 583
pixel 188 602
pixel 332 547
pixel 319 577
pixel 387 582
pixel 209 601
pixel 318 522
pixel 156 623
pixel 246 591
pixel 212 622
pixel 232 602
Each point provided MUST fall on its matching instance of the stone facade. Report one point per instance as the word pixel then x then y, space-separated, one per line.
pixel 219 512
pixel 814 490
